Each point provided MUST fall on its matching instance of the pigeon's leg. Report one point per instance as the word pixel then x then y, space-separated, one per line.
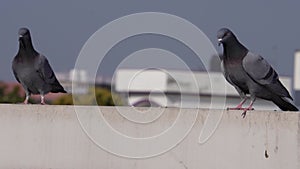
pixel 26 97
pixel 239 106
pixel 248 108
pixel 43 99
pixel 243 96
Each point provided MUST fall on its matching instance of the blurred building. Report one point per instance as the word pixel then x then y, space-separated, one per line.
pixel 81 81
pixel 173 88
pixel 297 77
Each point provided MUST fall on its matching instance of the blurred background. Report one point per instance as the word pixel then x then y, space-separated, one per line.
pixel 59 30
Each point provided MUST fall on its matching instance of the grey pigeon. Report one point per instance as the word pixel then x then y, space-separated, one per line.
pixel 32 69
pixel 251 74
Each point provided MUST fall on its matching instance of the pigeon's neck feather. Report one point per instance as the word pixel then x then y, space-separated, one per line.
pixel 235 50
pixel 26 48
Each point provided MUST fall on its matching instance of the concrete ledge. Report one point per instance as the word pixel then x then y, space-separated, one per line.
pixel 35 136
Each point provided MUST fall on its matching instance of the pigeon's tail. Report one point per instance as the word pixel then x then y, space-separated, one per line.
pixel 284 103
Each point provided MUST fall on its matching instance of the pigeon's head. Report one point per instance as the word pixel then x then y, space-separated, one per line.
pixel 24 38
pixel 23 32
pixel 225 35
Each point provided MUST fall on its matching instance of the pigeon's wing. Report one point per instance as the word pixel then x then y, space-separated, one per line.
pixel 259 69
pixel 14 70
pixel 262 72
pixel 47 74
pixel 16 76
pixel 45 70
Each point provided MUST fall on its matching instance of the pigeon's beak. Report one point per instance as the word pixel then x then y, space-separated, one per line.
pixel 220 41
pixel 21 40
pixel 20 37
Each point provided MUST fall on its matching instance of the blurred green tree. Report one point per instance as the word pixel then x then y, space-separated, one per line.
pixel 103 98
pixel 66 99
pixel 12 96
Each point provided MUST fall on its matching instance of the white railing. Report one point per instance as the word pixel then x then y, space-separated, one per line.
pixel 36 136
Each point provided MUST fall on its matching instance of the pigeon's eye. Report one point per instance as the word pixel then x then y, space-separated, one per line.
pixel 224 35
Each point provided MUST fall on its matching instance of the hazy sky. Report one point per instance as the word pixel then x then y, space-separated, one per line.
pixel 60 28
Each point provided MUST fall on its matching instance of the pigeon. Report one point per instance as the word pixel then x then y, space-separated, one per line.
pixel 251 74
pixel 32 69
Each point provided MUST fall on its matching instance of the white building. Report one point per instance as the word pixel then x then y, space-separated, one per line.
pixel 80 81
pixel 173 88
